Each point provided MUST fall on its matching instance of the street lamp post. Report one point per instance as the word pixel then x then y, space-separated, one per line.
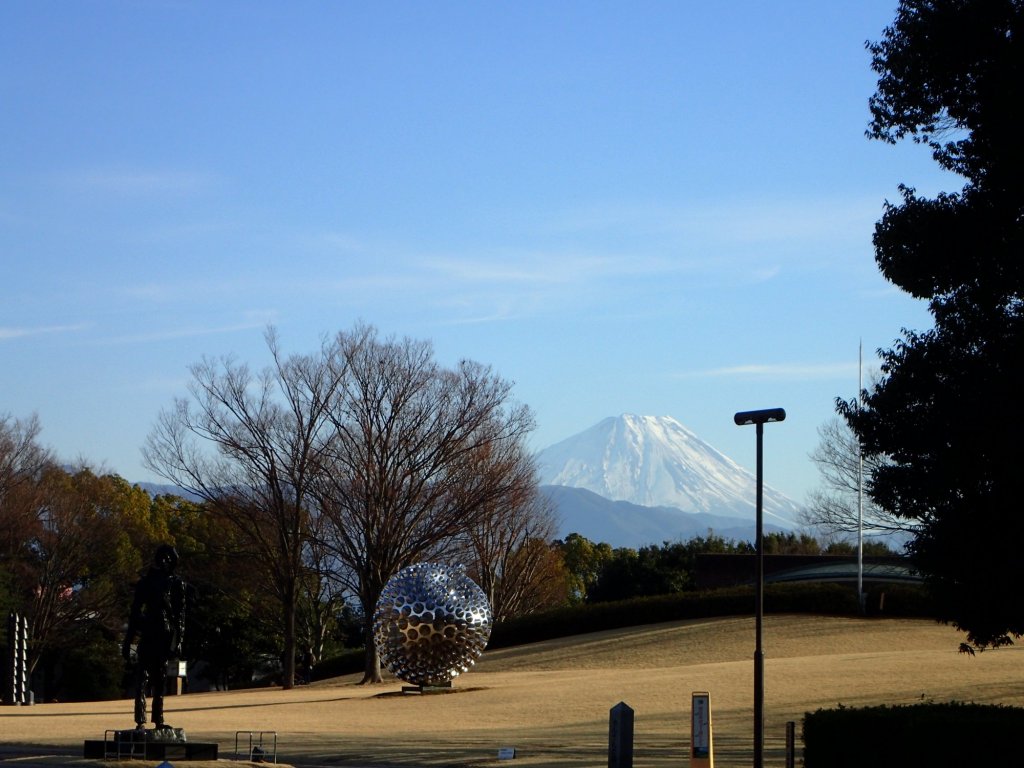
pixel 759 418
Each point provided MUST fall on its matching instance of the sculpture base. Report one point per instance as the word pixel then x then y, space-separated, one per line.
pixel 445 687
pixel 152 744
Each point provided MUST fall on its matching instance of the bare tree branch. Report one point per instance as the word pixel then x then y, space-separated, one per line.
pixel 249 445
pixel 835 508
pixel 417 455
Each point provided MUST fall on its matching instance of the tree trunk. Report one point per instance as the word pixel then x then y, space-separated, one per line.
pixel 371 667
pixel 288 662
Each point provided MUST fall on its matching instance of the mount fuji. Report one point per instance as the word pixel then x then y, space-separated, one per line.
pixel 633 480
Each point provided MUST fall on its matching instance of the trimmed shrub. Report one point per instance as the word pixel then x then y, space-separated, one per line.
pixel 348 662
pixel 821 598
pixel 818 598
pixel 932 735
pixel 900 600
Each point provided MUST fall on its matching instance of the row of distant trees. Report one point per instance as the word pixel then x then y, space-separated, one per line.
pixel 74 541
pixel 598 573
pixel 72 544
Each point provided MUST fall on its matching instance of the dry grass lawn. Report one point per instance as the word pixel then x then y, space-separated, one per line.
pixel 550 701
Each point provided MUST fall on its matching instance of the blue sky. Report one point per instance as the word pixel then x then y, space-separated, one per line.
pixel 662 208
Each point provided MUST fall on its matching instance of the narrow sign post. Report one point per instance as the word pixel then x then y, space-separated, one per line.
pixel 701 746
pixel 759 418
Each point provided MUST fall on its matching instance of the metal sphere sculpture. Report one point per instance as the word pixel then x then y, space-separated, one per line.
pixel 431 623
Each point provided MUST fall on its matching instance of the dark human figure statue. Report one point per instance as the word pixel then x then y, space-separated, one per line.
pixel 158 619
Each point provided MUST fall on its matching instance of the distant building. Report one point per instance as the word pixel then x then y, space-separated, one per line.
pixel 722 570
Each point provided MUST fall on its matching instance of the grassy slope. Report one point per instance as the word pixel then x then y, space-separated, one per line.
pixel 551 700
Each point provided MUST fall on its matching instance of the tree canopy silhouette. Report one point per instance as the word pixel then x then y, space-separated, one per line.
pixel 942 413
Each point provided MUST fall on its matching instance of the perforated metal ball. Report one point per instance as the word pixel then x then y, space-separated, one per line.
pixel 431 623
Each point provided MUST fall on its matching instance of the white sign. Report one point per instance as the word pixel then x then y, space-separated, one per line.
pixel 700 730
pixel 506 753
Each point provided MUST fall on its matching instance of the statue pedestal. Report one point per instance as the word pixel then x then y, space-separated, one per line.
pixel 152 744
pixel 164 734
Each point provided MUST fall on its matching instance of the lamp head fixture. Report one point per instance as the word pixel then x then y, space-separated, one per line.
pixel 763 416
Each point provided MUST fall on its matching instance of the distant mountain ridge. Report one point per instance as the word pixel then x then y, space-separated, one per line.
pixel 623 524
pixel 164 489
pixel 656 463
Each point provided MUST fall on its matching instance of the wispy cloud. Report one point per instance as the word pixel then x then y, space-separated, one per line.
pixel 547 267
pixel 125 181
pixel 734 221
pixel 764 274
pixel 469 285
pixel 190 290
pixel 22 332
pixel 801 371
pixel 522 284
pixel 517 268
pixel 254 321
pixel 344 242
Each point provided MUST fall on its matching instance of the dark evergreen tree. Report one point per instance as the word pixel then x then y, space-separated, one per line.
pixel 660 570
pixel 951 76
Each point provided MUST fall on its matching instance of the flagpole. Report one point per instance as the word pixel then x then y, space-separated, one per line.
pixel 860 484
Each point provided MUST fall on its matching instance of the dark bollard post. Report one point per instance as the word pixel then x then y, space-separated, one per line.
pixel 790 744
pixel 620 736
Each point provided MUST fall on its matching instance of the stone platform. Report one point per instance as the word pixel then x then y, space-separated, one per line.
pixel 153 744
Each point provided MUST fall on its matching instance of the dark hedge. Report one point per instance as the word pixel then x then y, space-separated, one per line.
pixel 932 735
pixel 822 598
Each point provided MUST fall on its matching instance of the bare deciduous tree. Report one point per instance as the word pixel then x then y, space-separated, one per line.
pixel 509 550
pixel 322 596
pixel 22 463
pixel 22 457
pixel 265 432
pixel 405 472
pixel 835 508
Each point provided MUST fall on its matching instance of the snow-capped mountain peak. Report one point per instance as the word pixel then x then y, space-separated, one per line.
pixel 656 461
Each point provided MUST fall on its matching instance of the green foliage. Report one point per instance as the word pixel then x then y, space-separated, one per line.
pixel 905 600
pixel 91 671
pixel 624 573
pixel 78 556
pixel 871 549
pixel 344 653
pixel 633 573
pixel 583 561
pixel 85 539
pixel 350 625
pixel 599 573
pixel 950 78
pixel 346 662
pixel 231 622
pixel 953 734
pixel 777 543
pixel 951 75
